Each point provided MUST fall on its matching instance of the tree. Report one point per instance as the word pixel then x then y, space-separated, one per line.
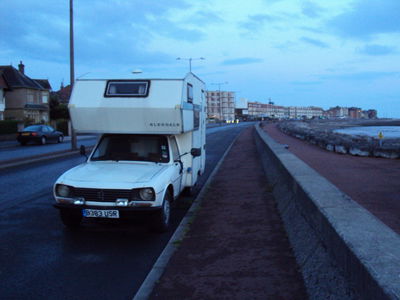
pixel 58 110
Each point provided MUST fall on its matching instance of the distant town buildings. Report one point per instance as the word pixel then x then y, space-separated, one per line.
pixel 23 98
pixel 221 106
pixel 257 110
pixel 351 113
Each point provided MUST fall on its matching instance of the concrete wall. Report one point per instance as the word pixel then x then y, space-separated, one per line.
pixel 344 252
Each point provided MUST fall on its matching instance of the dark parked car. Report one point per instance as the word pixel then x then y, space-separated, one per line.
pixel 39 134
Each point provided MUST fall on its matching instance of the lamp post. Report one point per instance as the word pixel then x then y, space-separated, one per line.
pixel 71 65
pixel 219 96
pixel 190 61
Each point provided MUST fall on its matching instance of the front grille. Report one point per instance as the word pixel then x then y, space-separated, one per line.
pixel 103 195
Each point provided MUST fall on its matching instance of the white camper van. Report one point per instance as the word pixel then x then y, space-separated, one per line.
pixel 151 148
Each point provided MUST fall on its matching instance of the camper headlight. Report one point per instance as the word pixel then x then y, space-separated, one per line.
pixel 63 190
pixel 147 194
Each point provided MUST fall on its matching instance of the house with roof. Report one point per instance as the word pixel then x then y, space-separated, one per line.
pixel 24 98
pixel 64 93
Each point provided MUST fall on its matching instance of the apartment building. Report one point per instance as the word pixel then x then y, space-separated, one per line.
pixel 221 105
pixel 338 112
pixel 355 112
pixel 260 110
pixel 307 112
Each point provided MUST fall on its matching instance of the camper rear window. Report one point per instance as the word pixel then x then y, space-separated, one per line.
pixel 127 88
pixel 189 93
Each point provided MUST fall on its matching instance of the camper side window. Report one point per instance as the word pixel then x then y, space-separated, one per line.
pixel 189 93
pixel 126 88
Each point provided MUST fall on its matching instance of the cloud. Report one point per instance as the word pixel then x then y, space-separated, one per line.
pixel 367 18
pixel 39 33
pixel 242 61
pixel 310 9
pixel 110 31
pixel 136 19
pixel 377 50
pixel 202 17
pixel 314 42
pixel 360 76
pixel 255 23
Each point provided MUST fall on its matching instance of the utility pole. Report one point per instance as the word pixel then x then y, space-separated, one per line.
pixel 71 65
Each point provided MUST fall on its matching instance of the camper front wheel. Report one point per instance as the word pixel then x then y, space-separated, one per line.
pixel 160 223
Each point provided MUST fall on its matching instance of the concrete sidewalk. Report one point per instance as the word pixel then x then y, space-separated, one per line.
pixel 236 246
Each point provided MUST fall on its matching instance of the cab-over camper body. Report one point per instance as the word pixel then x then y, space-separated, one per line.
pixel 151 148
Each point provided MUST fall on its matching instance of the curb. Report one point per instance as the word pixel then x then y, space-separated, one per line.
pixel 160 265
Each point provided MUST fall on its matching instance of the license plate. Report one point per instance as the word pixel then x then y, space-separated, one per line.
pixel 101 213
pixel 26 133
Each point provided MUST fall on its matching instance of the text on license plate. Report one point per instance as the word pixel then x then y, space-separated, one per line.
pixel 100 213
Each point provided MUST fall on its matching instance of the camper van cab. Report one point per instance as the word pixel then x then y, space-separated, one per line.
pixel 151 148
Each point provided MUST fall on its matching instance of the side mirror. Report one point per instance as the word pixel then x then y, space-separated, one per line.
pixel 195 152
pixel 82 150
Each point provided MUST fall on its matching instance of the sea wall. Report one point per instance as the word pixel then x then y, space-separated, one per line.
pixel 343 251
pixel 321 133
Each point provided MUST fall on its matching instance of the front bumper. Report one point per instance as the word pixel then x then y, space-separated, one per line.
pixel 124 212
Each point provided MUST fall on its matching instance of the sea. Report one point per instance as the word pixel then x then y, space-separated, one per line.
pixel 373 131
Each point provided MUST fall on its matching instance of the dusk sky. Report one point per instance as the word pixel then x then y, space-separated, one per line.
pixel 298 53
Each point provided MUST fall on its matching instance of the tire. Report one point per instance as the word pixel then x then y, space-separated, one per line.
pixel 71 219
pixel 43 140
pixel 161 219
pixel 60 139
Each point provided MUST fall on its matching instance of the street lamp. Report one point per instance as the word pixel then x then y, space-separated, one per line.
pixel 219 96
pixel 190 61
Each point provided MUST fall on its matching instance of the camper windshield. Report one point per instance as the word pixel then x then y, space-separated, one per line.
pixel 132 148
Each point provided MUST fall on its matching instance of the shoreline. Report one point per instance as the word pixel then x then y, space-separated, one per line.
pixel 321 133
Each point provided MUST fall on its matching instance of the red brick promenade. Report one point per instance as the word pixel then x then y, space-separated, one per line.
pixel 236 247
pixel 372 182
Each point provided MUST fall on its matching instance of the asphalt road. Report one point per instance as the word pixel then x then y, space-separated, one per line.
pixel 13 150
pixel 40 259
